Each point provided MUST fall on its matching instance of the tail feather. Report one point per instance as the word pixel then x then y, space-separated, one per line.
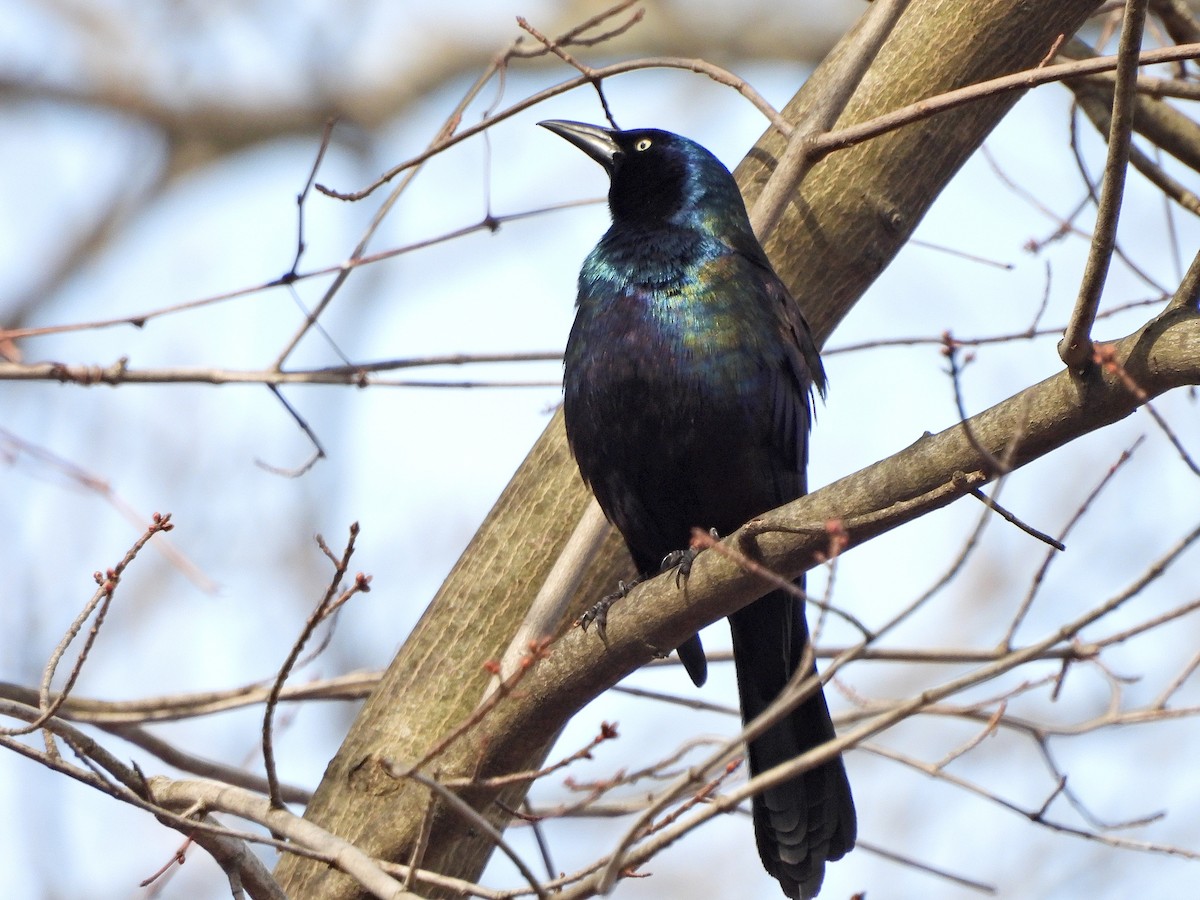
pixel 803 823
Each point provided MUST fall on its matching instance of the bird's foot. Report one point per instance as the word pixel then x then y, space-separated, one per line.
pixel 598 614
pixel 681 560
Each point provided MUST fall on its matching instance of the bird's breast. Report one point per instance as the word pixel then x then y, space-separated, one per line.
pixel 669 314
pixel 668 395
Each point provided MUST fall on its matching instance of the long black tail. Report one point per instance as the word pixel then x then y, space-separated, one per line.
pixel 805 822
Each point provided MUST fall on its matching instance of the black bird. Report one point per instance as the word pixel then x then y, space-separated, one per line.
pixel 688 397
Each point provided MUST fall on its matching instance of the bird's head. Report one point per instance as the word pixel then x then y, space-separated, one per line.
pixel 658 177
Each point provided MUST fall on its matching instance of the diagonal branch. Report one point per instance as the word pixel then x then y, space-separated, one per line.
pixel 1075 349
pixel 923 477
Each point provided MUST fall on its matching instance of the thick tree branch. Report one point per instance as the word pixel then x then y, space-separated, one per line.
pixel 927 475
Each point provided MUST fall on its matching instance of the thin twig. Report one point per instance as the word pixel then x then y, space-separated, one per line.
pixel 1039 576
pixel 703 540
pixel 99 603
pixel 1007 516
pixel 330 603
pixel 1105 357
pixel 535 652
pixel 302 197
pixel 476 821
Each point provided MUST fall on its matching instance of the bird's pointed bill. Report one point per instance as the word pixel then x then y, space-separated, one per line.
pixel 596 142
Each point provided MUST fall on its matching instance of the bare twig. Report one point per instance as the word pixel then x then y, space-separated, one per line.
pixel 302 197
pixel 99 603
pixel 477 821
pixel 329 605
pixel 1007 516
pixel 1039 577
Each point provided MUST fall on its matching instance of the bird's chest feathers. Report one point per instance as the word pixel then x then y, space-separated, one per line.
pixel 671 323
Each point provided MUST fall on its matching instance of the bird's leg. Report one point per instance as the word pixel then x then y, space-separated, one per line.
pixel 681 560
pixel 599 612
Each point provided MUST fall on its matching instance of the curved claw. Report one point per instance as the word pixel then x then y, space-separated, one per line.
pixel 681 560
pixel 599 613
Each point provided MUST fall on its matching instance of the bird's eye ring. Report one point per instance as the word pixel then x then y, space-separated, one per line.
pixel 643 144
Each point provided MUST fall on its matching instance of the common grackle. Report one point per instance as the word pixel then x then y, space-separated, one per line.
pixel 687 394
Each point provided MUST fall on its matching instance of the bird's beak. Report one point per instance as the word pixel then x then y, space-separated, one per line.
pixel 596 142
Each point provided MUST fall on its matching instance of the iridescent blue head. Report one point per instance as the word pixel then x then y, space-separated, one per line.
pixel 660 178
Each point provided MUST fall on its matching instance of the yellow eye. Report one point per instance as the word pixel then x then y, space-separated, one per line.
pixel 643 144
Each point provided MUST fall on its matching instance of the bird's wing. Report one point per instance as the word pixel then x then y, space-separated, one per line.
pixel 798 370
